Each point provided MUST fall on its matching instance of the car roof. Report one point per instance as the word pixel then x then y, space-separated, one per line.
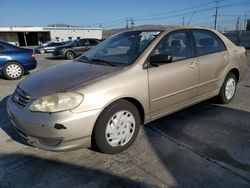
pixel 170 28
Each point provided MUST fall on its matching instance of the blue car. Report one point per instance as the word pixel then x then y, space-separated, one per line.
pixel 15 61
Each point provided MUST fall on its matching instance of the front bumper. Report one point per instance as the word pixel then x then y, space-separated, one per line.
pixel 53 131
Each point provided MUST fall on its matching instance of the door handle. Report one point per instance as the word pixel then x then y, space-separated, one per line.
pixel 193 65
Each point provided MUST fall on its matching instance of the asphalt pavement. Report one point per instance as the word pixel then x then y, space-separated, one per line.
pixel 206 145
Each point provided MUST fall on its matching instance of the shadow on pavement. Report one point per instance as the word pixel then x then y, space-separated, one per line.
pixel 216 134
pixel 41 172
pixel 55 58
pixel 5 123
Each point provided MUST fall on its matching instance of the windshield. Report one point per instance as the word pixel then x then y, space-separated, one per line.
pixel 72 43
pixel 121 49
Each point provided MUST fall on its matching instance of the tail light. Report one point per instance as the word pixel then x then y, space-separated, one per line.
pixel 32 55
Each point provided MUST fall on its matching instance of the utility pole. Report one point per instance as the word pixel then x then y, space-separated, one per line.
pixel 126 23
pixel 245 21
pixel 183 20
pixel 238 24
pixel 132 22
pixel 216 14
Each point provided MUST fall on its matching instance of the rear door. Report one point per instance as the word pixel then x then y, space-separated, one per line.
pixel 81 47
pixel 174 84
pixel 213 59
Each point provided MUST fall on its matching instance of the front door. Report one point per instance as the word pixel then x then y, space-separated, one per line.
pixel 174 84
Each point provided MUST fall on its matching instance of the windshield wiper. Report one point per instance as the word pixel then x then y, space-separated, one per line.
pixel 100 61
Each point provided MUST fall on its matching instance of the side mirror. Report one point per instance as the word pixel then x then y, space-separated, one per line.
pixel 160 59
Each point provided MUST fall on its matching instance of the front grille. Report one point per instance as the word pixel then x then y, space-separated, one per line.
pixel 20 97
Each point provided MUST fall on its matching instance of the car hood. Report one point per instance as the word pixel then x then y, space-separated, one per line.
pixel 64 46
pixel 65 77
pixel 39 47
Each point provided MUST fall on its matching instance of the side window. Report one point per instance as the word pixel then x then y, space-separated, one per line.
pixel 83 42
pixel 92 42
pixel 178 44
pixel 207 42
pixel 1 48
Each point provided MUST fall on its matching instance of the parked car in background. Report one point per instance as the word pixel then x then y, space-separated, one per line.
pixel 15 61
pixel 75 48
pixel 48 47
pixel 130 79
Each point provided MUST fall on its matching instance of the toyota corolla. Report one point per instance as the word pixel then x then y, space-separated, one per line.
pixel 130 79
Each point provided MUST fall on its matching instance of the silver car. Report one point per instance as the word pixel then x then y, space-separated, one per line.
pixel 130 79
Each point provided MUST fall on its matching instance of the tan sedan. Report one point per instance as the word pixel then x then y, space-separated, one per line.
pixel 130 79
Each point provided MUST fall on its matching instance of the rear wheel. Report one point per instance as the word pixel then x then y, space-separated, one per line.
pixel 228 89
pixel 70 55
pixel 13 71
pixel 117 127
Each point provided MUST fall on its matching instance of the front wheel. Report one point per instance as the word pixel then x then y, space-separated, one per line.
pixel 228 89
pixel 117 127
pixel 42 51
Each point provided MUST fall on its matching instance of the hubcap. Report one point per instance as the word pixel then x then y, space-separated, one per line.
pixel 230 88
pixel 120 128
pixel 70 55
pixel 13 71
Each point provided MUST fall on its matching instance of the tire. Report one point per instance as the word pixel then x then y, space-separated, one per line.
pixel 124 132
pixel 228 89
pixel 69 55
pixel 42 51
pixel 13 71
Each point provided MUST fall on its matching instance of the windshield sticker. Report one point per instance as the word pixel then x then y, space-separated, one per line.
pixel 150 33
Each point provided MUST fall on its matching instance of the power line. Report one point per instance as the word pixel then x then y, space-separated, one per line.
pixel 174 11
pixel 175 15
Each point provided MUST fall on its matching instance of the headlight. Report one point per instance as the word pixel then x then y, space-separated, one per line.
pixel 57 102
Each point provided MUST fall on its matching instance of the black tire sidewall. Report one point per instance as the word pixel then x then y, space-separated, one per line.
pixel 99 139
pixel 222 97
pixel 7 76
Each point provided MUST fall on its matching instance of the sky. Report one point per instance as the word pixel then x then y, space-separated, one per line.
pixel 112 13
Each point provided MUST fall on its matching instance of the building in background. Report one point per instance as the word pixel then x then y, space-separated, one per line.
pixel 31 36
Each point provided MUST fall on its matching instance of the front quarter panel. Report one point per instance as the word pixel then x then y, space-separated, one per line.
pixel 131 82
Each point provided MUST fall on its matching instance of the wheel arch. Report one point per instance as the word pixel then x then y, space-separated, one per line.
pixel 139 107
pixel 132 100
pixel 236 72
pixel 10 61
pixel 68 50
